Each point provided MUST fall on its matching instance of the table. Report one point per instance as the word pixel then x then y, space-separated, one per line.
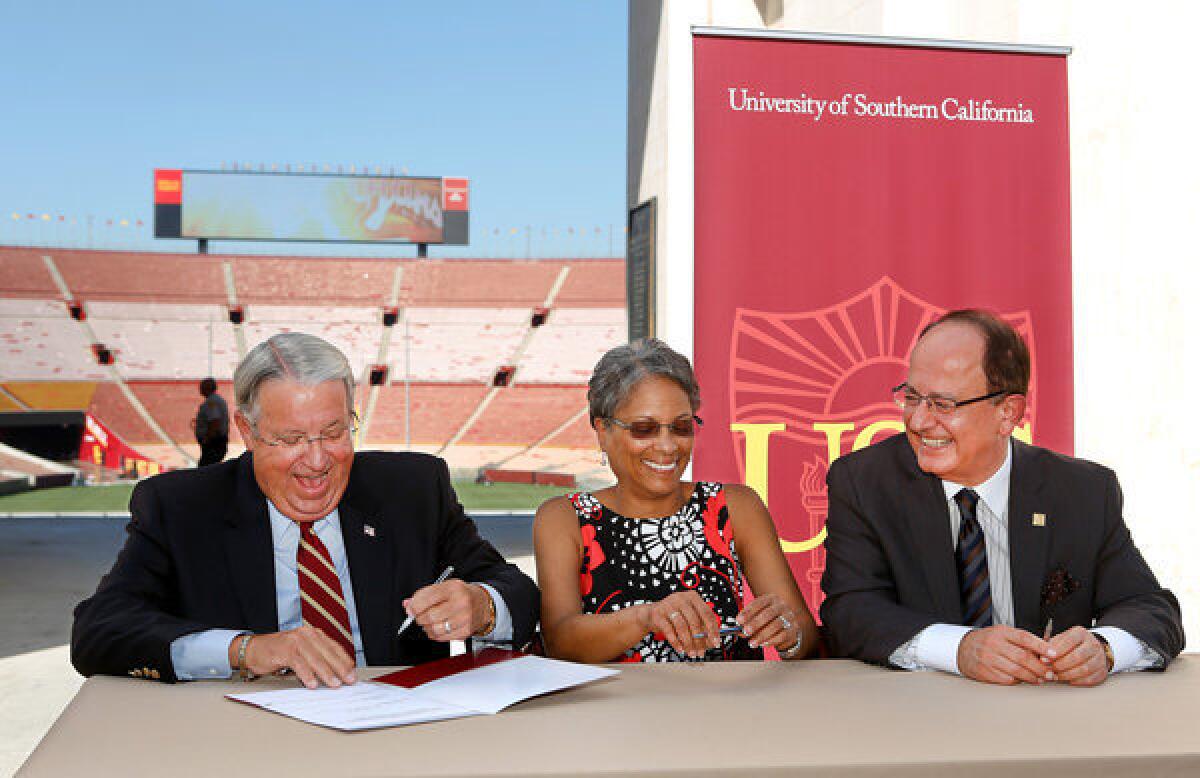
pixel 746 719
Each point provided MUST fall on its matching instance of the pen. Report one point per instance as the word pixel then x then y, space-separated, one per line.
pixel 722 631
pixel 445 574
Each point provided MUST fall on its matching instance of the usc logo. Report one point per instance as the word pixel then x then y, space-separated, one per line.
pixel 756 454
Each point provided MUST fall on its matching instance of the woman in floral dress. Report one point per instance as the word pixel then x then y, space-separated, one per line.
pixel 656 569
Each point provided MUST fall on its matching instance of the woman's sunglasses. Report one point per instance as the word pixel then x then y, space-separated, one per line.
pixel 645 429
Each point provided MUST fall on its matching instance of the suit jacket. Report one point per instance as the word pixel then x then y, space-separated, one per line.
pixel 199 556
pixel 890 569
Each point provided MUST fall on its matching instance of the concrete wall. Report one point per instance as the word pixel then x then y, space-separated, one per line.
pixel 1135 180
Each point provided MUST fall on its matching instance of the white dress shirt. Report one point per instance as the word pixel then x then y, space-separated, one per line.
pixel 936 646
pixel 206 654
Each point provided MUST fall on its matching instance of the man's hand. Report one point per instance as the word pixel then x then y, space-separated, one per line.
pixel 307 651
pixel 450 610
pixel 1080 659
pixel 1004 655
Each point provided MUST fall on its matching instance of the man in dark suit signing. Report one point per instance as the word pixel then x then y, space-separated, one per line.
pixel 301 555
pixel 954 547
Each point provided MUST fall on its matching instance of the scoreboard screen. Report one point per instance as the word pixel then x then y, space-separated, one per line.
pixel 236 205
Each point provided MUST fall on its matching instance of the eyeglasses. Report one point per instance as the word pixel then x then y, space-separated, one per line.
pixel 645 429
pixel 336 434
pixel 907 399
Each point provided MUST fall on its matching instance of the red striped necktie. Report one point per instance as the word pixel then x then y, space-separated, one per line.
pixel 321 601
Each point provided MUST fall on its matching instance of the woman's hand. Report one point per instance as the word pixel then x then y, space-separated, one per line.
pixel 768 621
pixel 686 621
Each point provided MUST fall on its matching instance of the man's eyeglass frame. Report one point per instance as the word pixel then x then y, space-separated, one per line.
pixel 302 440
pixel 943 406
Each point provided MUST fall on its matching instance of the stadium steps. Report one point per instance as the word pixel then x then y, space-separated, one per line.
pixel 515 360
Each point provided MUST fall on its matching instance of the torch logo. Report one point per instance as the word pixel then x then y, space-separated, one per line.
pixel 806 387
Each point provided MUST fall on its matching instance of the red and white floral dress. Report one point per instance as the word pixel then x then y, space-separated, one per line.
pixel 628 562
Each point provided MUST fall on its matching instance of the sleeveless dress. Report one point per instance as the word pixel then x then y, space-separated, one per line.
pixel 628 562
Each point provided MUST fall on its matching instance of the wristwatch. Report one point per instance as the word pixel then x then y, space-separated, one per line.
pixel 1108 654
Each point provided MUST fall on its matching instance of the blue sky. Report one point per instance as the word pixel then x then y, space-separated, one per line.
pixel 527 99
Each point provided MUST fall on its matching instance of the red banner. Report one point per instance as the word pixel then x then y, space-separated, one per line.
pixel 846 195
pixel 101 446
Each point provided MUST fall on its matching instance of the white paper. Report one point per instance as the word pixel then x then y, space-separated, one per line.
pixel 493 688
pixel 482 690
pixel 363 705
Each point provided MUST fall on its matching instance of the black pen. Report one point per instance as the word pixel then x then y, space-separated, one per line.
pixel 445 574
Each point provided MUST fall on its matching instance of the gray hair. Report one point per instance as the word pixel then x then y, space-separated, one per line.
pixel 294 356
pixel 622 368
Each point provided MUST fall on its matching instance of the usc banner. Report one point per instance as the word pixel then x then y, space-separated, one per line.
pixel 846 195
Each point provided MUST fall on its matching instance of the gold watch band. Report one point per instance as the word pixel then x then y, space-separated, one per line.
pixel 1108 652
pixel 491 622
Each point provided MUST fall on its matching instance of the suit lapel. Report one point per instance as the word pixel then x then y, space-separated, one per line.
pixel 1028 545
pixel 249 549
pixel 928 518
pixel 369 554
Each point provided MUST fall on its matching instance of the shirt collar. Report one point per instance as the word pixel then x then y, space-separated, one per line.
pixel 993 491
pixel 283 528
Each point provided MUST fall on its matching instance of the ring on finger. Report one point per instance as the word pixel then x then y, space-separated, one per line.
pixel 673 615
pixel 447 626
pixel 784 621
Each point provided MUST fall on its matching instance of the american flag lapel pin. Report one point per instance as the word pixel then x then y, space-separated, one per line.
pixel 1039 519
pixel 368 530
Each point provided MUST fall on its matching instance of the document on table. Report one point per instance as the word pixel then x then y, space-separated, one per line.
pixel 482 690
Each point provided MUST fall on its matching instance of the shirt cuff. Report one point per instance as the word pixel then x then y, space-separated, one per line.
pixel 203 655
pixel 1129 653
pixel 937 647
pixel 503 628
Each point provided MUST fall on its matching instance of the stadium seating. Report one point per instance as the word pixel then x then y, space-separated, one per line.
pixel 523 414
pixel 133 277
pixel 596 283
pixel 567 346
pixel 165 318
pixel 39 342
pixel 437 412
pixel 24 274
pixel 456 344
pixel 181 341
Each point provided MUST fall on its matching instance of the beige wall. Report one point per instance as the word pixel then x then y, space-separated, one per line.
pixel 1135 179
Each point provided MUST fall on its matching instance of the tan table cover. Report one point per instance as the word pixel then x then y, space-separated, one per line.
pixel 748 719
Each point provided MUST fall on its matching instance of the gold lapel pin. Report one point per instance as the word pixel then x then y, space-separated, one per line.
pixel 1039 519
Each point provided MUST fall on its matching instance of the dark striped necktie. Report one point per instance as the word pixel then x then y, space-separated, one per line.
pixel 971 556
pixel 321 601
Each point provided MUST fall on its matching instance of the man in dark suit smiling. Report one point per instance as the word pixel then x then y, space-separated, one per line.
pixel 301 555
pixel 954 547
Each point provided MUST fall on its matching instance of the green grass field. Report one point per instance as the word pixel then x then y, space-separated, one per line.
pixel 475 497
